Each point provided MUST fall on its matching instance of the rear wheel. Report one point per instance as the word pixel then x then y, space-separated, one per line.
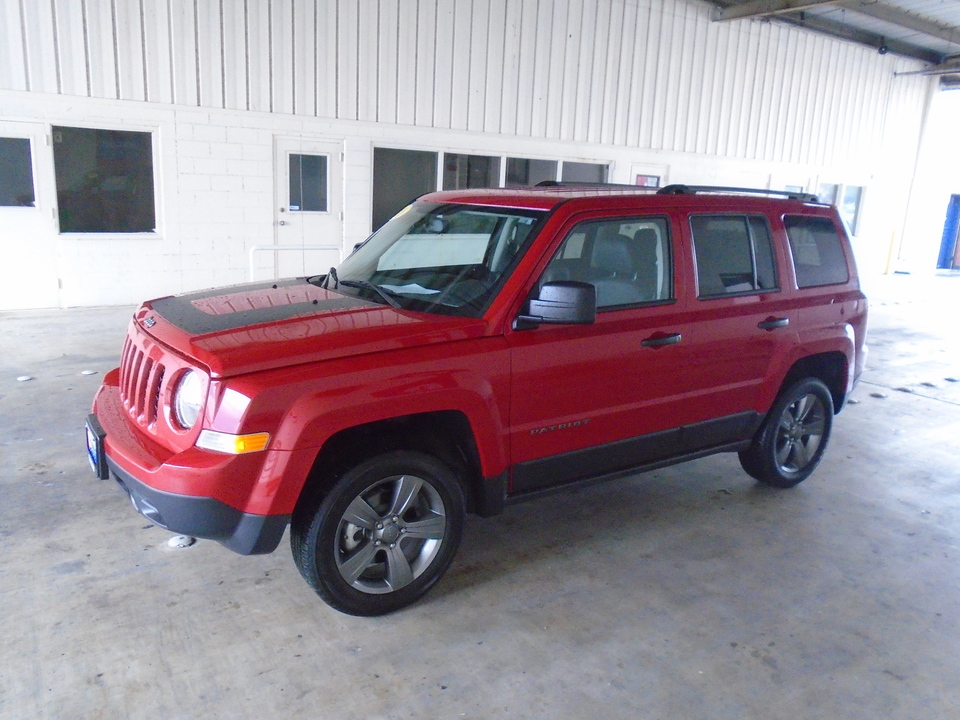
pixel 383 535
pixel 788 446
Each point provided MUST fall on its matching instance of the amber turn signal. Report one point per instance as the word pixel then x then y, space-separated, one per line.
pixel 232 444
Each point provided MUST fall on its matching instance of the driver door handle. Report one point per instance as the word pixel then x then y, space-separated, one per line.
pixel 772 323
pixel 660 339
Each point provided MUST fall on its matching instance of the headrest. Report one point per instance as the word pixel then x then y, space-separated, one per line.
pixel 612 255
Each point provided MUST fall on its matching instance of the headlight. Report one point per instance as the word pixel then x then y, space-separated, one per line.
pixel 188 399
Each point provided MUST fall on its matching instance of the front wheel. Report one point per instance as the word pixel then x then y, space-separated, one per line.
pixel 789 444
pixel 383 535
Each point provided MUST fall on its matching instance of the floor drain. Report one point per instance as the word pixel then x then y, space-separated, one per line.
pixel 181 541
pixel 904 389
pixel 879 396
pixel 951 379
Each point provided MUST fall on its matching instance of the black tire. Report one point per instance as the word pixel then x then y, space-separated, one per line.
pixel 790 442
pixel 383 535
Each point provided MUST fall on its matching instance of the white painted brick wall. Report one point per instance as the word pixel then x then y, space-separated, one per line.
pixel 215 186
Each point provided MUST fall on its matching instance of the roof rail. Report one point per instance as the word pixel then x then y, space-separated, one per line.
pixel 694 189
pixel 576 183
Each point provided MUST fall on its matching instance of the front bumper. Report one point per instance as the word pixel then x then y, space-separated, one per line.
pixel 116 450
pixel 203 517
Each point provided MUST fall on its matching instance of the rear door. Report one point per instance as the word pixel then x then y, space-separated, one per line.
pixel 743 323
pixel 594 399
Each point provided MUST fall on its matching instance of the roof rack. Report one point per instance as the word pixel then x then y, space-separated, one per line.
pixel 694 189
pixel 576 183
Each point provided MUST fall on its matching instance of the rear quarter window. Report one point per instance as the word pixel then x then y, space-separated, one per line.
pixel 818 256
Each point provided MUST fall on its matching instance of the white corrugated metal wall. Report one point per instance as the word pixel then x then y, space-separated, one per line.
pixel 654 74
pixel 615 81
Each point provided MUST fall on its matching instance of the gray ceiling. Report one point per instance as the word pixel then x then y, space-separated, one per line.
pixel 928 30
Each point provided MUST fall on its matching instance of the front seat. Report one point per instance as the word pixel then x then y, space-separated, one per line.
pixel 614 271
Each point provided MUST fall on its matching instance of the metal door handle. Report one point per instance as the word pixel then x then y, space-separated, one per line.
pixel 660 339
pixel 773 323
pixel 283 222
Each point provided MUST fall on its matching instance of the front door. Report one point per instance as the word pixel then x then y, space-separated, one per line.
pixel 594 399
pixel 28 231
pixel 309 210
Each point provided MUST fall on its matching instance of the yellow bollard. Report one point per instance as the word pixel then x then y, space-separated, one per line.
pixel 893 237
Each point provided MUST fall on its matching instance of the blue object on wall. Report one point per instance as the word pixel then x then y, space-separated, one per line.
pixel 951 227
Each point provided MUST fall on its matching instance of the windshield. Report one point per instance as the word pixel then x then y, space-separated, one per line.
pixel 448 259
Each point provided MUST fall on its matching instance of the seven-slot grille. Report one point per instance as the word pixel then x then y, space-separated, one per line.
pixel 140 380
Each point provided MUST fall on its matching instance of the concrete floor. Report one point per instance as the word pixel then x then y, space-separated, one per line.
pixel 688 593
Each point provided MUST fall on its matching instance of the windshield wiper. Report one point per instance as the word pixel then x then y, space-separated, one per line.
pixel 331 274
pixel 363 284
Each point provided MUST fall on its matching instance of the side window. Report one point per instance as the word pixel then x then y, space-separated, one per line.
pixel 16 173
pixel 734 254
pixel 104 180
pixel 817 253
pixel 308 183
pixel 628 260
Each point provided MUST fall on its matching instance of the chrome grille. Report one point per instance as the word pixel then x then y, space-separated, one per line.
pixel 141 378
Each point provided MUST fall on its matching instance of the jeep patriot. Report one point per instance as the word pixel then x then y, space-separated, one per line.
pixel 483 347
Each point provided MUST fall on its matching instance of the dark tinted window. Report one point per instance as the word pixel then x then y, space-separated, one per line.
pixel 817 253
pixel 16 172
pixel 104 180
pixel 734 254
pixel 529 172
pixel 399 177
pixel 470 171
pixel 583 172
pixel 763 253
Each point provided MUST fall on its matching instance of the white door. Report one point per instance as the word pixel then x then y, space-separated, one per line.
pixel 28 229
pixel 309 209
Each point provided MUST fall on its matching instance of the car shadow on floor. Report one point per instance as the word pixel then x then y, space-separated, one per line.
pixel 650 515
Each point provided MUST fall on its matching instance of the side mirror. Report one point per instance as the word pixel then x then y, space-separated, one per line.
pixel 564 302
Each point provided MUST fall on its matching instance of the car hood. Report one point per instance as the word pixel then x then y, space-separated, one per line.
pixel 263 326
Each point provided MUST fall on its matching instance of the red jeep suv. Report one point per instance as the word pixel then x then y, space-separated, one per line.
pixel 483 347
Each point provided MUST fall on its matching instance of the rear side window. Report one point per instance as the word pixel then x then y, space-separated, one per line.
pixel 817 252
pixel 734 254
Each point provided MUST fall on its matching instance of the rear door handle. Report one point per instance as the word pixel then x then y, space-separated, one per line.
pixel 661 339
pixel 773 323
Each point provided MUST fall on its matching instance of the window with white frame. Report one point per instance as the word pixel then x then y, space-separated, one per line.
pixel 400 176
pixel 828 193
pixel 584 172
pixel 16 173
pixel 850 207
pixel 104 180
pixel 524 171
pixel 470 171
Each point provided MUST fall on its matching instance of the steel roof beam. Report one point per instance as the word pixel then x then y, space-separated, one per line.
pixel 911 21
pixel 766 8
pixel 792 11
pixel 846 32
